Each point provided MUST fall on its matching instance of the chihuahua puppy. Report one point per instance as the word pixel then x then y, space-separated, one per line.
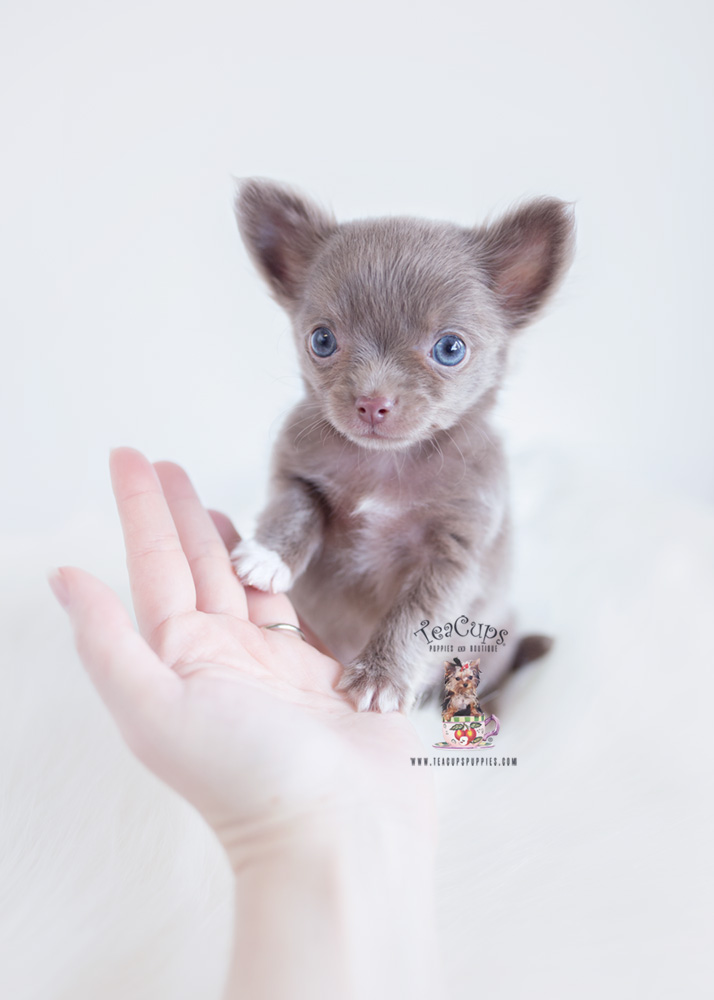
pixel 388 501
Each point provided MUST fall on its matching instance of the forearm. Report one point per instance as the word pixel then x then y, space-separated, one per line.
pixel 340 908
pixel 293 522
pixel 288 533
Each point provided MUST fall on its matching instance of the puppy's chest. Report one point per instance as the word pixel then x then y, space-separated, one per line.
pixel 376 526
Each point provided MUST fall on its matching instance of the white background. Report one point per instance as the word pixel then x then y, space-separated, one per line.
pixel 130 314
pixel 128 309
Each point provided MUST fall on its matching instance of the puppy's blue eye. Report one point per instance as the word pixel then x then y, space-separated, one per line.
pixel 449 350
pixel 324 342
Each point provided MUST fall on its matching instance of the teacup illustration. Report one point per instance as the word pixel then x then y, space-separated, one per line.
pixel 471 730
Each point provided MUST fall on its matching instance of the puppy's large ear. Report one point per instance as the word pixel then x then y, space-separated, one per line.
pixel 282 231
pixel 525 254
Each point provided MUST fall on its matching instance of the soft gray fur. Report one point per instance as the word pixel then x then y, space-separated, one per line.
pixel 377 526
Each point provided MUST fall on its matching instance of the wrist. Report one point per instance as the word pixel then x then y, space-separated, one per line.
pixel 395 815
pixel 345 898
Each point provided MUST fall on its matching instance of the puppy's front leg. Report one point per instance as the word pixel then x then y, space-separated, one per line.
pixel 385 675
pixel 290 530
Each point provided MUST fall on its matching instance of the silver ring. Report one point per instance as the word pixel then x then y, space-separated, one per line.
pixel 286 627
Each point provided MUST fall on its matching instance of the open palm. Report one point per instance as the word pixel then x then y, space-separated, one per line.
pixel 242 721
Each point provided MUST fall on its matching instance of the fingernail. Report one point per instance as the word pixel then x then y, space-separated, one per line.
pixel 59 587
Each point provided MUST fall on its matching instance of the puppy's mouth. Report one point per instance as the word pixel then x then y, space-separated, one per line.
pixel 377 437
pixel 393 433
pixel 380 432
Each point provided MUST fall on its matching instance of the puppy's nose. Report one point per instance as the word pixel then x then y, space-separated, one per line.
pixel 373 409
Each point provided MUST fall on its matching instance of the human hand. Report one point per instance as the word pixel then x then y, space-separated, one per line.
pixel 244 723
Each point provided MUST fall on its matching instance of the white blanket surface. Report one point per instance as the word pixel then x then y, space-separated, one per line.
pixel 581 871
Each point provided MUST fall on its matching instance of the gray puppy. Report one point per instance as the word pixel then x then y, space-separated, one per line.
pixel 388 505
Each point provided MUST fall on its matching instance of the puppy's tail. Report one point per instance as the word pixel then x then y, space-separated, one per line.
pixel 530 648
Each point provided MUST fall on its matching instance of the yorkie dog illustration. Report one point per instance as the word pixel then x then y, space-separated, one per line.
pixel 460 683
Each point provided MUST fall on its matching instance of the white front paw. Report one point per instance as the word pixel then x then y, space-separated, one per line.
pixel 260 567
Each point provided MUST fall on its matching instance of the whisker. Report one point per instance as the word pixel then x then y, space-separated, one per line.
pixel 441 455
pixel 315 423
pixel 463 459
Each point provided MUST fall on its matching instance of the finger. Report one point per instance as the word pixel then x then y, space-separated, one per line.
pixel 263 609
pixel 225 529
pixel 136 686
pixel 315 640
pixel 267 609
pixel 258 606
pixel 218 590
pixel 161 582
